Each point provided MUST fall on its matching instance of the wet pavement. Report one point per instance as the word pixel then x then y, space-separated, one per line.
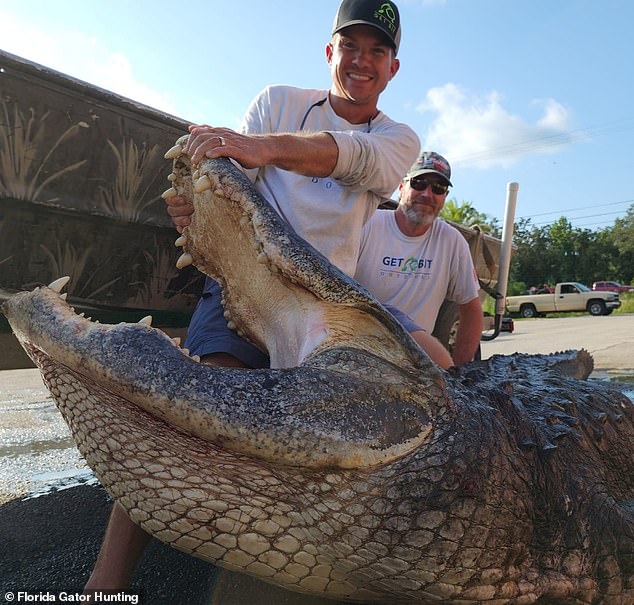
pixel 37 453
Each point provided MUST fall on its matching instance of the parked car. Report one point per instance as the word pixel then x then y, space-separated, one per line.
pixel 568 296
pixel 611 286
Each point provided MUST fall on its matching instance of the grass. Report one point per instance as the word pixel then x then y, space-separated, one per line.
pixel 627 303
pixel 126 196
pixel 66 259
pixel 23 173
pixel 152 289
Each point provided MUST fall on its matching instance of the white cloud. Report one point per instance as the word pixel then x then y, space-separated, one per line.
pixel 480 132
pixel 80 56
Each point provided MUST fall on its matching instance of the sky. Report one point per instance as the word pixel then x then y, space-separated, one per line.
pixel 539 93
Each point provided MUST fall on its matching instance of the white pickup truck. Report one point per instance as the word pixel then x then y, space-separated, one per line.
pixel 568 296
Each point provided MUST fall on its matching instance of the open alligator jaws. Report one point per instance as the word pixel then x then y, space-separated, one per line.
pixel 354 469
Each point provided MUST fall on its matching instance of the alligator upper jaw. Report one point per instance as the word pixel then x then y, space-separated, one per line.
pixel 278 291
pixel 346 409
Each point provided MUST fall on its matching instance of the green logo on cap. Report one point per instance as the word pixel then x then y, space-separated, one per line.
pixel 387 15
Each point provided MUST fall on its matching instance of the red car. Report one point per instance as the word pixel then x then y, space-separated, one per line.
pixel 611 286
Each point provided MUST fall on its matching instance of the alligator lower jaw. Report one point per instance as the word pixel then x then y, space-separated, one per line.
pixel 344 408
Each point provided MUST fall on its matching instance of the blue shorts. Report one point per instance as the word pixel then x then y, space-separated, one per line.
pixel 404 319
pixel 208 331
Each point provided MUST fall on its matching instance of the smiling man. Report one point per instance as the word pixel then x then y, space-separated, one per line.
pixel 411 260
pixel 324 159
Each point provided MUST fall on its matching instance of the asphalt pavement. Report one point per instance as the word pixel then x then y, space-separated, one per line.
pixel 608 338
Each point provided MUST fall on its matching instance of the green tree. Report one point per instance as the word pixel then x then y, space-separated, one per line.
pixel 565 246
pixel 464 213
pixel 622 238
pixel 558 252
pixel 533 262
pixel 623 232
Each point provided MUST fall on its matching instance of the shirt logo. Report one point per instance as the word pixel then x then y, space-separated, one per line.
pixel 411 264
pixel 408 265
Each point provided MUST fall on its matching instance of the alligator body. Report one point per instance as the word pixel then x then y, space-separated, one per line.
pixel 354 468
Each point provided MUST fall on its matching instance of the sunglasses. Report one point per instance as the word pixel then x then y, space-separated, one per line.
pixel 421 184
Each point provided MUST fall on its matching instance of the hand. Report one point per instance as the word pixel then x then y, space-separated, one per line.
pixel 251 151
pixel 181 210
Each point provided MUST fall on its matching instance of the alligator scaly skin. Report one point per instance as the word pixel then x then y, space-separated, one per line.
pixel 354 469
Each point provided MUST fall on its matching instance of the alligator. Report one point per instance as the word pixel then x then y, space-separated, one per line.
pixel 354 468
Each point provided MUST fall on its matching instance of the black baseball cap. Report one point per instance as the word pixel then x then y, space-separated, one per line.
pixel 380 14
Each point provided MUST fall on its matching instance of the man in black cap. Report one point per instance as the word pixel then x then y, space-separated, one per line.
pixel 324 159
pixel 309 151
pixel 412 260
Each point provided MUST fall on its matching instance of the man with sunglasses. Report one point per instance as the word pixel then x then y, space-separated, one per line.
pixel 412 260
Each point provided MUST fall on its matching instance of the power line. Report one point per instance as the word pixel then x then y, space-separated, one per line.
pixel 579 208
pixel 575 218
pixel 594 225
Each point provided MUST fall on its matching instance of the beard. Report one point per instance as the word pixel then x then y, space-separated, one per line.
pixel 418 215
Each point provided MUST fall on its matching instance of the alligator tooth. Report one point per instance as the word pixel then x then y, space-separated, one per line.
pixel 196 358
pixel 219 192
pixel 184 260
pixel 168 193
pixel 81 315
pixel 171 177
pixel 174 152
pixel 196 175
pixel 177 341
pixel 64 296
pixel 147 320
pixel 186 351
pixel 226 315
pixel 180 242
pixel 231 325
pixel 58 284
pixel 202 184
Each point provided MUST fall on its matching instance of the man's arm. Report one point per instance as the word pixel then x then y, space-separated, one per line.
pixel 313 154
pixel 308 154
pixel 469 331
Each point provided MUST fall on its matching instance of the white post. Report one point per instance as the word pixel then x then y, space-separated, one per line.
pixel 507 244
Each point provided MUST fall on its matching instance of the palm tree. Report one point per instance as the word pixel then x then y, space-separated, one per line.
pixel 464 213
